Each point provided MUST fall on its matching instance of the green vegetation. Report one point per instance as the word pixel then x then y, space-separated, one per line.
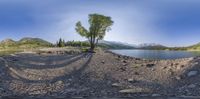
pixel 60 43
pixel 78 43
pixel 99 24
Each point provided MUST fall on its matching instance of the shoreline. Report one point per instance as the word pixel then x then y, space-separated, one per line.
pixel 148 59
pixel 101 74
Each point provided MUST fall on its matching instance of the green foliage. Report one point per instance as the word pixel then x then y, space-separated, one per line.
pixel 99 24
pixel 61 43
pixel 77 44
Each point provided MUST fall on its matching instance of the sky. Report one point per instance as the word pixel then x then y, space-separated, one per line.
pixel 166 22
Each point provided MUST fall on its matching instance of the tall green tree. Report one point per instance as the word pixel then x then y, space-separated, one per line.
pixel 61 43
pixel 99 25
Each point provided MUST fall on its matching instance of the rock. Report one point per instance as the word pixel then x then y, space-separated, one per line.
pixel 124 64
pixel 176 63
pixel 134 90
pixel 59 82
pixel 153 69
pixel 130 80
pixel 178 78
pixel 196 63
pixel 191 86
pixel 150 65
pixel 155 95
pixel 115 85
pixel 136 73
pixel 127 91
pixel 137 59
pixel 164 67
pixel 123 68
pixel 192 73
pixel 103 62
pixel 124 61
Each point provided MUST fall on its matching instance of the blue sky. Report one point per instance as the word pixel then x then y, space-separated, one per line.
pixel 167 22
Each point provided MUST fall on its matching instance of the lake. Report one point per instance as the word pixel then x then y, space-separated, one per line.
pixel 157 54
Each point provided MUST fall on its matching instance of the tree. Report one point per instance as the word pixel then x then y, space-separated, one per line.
pixel 99 24
pixel 61 43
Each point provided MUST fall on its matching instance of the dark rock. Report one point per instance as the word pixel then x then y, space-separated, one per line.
pixel 136 73
pixel 150 65
pixel 103 62
pixel 123 68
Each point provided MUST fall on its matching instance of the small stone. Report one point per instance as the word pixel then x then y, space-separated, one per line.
pixel 153 69
pixel 124 64
pixel 127 91
pixel 60 82
pixel 124 61
pixel 115 85
pixel 176 63
pixel 130 79
pixel 155 95
pixel 192 86
pixel 136 73
pixel 164 67
pixel 178 78
pixel 123 68
pixel 196 63
pixel 192 73
pixel 103 62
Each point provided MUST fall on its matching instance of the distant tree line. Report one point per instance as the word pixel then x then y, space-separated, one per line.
pixel 61 43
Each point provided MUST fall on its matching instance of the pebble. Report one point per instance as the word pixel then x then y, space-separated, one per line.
pixel 115 85
pixel 192 86
pixel 192 73
pixel 155 95
pixel 178 78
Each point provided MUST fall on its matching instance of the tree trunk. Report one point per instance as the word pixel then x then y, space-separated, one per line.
pixel 92 46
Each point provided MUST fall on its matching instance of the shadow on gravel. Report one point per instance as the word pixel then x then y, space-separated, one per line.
pixel 89 56
pixel 74 73
pixel 68 61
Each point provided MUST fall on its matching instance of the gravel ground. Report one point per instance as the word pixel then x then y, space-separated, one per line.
pixel 100 74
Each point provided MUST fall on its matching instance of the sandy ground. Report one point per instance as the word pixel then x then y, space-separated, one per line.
pixel 100 74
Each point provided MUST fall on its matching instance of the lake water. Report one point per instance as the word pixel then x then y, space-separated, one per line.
pixel 157 54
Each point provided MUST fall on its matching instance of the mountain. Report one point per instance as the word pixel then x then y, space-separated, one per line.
pixel 8 42
pixel 24 43
pixel 193 47
pixel 38 41
pixel 115 45
pixel 152 46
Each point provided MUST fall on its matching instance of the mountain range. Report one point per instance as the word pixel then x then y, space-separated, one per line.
pixel 28 42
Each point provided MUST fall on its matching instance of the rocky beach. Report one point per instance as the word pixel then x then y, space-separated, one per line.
pixel 60 74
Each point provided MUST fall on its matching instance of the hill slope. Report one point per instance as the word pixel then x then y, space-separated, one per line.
pixel 24 43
